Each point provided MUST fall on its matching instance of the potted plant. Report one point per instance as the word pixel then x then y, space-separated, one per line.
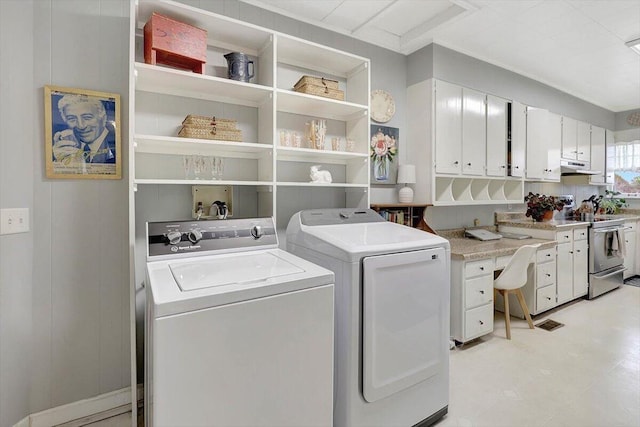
pixel 540 206
pixel 610 204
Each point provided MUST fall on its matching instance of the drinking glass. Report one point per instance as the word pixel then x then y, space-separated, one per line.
pixel 198 166
pixel 335 143
pixel 351 145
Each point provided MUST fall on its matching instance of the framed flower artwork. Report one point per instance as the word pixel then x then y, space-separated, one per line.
pixel 383 152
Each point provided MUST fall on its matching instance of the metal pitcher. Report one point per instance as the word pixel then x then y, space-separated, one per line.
pixel 238 65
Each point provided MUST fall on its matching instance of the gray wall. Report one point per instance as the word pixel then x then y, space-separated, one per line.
pixel 18 132
pixel 621 119
pixel 64 291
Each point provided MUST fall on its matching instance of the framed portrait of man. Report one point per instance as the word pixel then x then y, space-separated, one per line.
pixel 82 134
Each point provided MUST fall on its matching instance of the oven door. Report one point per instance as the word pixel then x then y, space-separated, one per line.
pixel 602 255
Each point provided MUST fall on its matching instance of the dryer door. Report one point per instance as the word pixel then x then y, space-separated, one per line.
pixel 405 320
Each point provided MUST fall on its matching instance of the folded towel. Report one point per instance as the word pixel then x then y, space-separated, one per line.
pixel 622 244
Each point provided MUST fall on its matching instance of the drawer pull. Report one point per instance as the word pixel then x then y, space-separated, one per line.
pixel 481 268
pixel 481 322
pixel 548 275
pixel 549 298
pixel 578 250
pixel 570 252
pixel 482 292
pixel 548 255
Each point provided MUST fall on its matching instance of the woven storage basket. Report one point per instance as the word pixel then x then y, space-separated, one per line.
pixel 318 81
pixel 210 132
pixel 321 91
pixel 210 121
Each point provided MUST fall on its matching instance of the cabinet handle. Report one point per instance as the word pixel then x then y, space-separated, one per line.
pixel 517 167
pixel 482 292
pixel 503 167
pixel 578 250
pixel 548 275
pixel 548 254
pixel 581 152
pixel 481 322
pixel 468 164
pixel 570 252
pixel 456 162
pixel 481 268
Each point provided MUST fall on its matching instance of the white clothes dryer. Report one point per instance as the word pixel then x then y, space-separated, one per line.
pixel 391 314
pixel 238 332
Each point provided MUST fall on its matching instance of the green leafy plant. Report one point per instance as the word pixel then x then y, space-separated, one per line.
pixel 539 204
pixel 611 204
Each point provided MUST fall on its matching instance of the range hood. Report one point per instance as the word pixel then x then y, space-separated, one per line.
pixel 576 167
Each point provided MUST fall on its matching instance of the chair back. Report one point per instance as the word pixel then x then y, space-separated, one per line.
pixel 514 274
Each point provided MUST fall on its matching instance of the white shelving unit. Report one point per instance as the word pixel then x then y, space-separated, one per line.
pixel 265 179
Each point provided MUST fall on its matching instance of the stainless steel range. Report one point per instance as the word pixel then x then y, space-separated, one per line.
pixel 605 255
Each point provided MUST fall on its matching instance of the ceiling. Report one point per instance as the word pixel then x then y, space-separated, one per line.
pixel 577 46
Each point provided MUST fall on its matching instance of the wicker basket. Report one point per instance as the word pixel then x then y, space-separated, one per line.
pixel 323 91
pixel 210 132
pixel 318 81
pixel 210 121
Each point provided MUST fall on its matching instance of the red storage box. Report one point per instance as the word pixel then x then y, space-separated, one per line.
pixel 174 43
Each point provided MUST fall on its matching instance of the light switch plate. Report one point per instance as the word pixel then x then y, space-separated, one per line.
pixel 14 221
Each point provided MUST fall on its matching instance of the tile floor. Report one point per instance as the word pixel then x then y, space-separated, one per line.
pixel 586 373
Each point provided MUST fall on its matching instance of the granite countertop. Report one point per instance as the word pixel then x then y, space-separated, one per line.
pixel 468 249
pixel 547 225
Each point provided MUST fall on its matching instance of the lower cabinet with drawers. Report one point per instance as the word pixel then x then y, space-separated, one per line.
pixel 471 298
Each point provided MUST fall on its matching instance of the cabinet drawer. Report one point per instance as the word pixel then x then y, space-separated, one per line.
pixel 564 236
pixel 545 274
pixel 478 268
pixel 545 255
pixel 580 234
pixel 545 298
pixel 478 321
pixel 478 291
pixel 502 261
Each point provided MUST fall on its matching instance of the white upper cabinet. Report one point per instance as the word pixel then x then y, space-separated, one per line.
pixel 569 138
pixel 496 136
pixel 544 134
pixel 554 144
pixel 518 139
pixel 537 138
pixel 576 141
pixel 448 128
pixel 598 154
pixel 474 132
pixel 583 144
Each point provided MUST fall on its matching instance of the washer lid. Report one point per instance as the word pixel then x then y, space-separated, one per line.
pixel 247 269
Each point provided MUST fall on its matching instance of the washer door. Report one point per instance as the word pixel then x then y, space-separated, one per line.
pixel 405 320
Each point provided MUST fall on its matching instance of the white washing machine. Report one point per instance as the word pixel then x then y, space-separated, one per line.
pixel 238 332
pixel 392 314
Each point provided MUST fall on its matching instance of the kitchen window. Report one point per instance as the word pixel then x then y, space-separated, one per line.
pixel 624 159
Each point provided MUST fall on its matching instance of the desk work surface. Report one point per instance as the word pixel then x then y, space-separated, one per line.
pixel 468 249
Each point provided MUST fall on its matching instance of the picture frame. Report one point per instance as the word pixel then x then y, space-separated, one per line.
pixel 383 151
pixel 82 134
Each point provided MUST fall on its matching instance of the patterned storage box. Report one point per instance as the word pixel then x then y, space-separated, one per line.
pixel 210 121
pixel 319 86
pixel 210 132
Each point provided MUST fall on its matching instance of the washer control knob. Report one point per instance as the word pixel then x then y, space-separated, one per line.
pixel 195 236
pixel 256 231
pixel 174 237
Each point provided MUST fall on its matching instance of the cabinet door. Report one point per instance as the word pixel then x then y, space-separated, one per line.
pixel 537 137
pixel 610 149
pixel 564 273
pixel 630 258
pixel 518 139
pixel 580 268
pixel 598 154
pixel 583 142
pixel 448 128
pixel 496 136
pixel 569 138
pixel 554 142
pixel 474 132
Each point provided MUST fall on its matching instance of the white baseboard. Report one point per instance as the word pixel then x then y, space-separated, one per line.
pixel 81 409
